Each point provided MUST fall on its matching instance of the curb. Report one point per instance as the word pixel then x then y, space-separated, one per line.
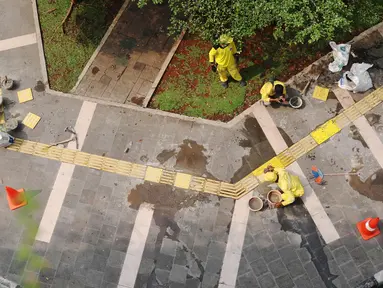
pixel 164 66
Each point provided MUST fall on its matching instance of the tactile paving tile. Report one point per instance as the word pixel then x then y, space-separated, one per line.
pixel 321 93
pixel 325 131
pixel 182 180
pixel 153 174
pixel 31 120
pixel 25 95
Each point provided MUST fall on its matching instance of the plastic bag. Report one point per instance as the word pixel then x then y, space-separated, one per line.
pixel 357 79
pixel 6 139
pixel 341 54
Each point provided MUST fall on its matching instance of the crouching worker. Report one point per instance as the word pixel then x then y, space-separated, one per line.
pixel 274 91
pixel 290 185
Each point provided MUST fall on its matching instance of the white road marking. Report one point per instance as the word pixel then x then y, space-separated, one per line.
pixel 19 41
pixel 64 176
pixel 368 133
pixel 310 199
pixel 234 244
pixel 136 246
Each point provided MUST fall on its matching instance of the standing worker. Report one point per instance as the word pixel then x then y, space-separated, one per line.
pixel 290 185
pixel 273 91
pixel 223 60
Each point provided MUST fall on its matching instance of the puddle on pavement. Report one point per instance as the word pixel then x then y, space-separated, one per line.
pixel 192 158
pixel 95 70
pixel 40 87
pixel 167 201
pixel 254 136
pixel 371 188
pixel 165 155
pixel 137 100
pixel 354 134
pixel 296 219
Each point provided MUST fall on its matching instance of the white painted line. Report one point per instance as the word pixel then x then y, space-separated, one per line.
pixel 234 244
pixel 64 176
pixel 310 199
pixel 136 246
pixel 55 201
pixel 19 41
pixel 368 133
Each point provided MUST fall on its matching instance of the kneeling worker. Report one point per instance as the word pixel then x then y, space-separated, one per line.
pixel 273 91
pixel 290 185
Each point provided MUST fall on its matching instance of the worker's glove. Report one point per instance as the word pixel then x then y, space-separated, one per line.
pixel 236 57
pixel 213 67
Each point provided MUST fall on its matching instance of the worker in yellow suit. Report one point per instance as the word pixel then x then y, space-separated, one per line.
pixel 273 91
pixel 290 185
pixel 222 59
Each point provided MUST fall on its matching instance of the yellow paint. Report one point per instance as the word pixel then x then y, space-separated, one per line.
pixel 325 131
pixel 25 95
pixel 321 93
pixel 182 180
pixel 153 174
pixel 275 162
pixel 31 120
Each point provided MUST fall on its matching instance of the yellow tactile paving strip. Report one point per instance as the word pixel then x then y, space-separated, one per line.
pixel 201 184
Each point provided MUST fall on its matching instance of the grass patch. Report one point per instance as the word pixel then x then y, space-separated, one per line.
pixel 67 54
pixel 189 87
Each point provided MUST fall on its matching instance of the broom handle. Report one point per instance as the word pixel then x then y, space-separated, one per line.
pixel 339 174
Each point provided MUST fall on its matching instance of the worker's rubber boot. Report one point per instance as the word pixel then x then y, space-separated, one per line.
pixel 225 84
pixel 242 83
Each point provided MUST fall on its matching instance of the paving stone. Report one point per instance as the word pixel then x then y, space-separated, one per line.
pixel 270 255
pixel 17 266
pixel 343 228
pixel 94 278
pixel 369 245
pixel 296 268
pixel 367 269
pixel 318 282
pixel 244 266
pixel 178 274
pixel 46 275
pixel 341 255
pixel 60 283
pixel 112 218
pixel 217 249
pixel 259 267
pixel 359 256
pixel 314 241
pixel 350 241
pixel 376 256
pixel 112 274
pixel 121 244
pixel 68 256
pixel 85 253
pixel 193 283
pixel 162 275
pixel 263 240
pixel 311 271
pixel 252 253
pixel 213 265
pixel 71 201
pixel 103 247
pixel 90 236
pixel 77 281
pixel 98 263
pixel 284 281
pixel 116 258
pixel 277 268
pixel 353 282
pixel 303 282
pixel 267 281
pixel 288 254
pixel 87 196
pixel 169 247
pixel 95 221
pixel 165 262
pixel 108 232
pixel 349 270
pixel 52 257
pixel 180 258
pixel 248 280
pixel 65 271
pixel 210 280
pixel 280 239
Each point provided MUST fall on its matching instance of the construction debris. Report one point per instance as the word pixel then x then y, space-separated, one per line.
pixel 128 146
pixel 25 95
pixel 73 137
pixel 31 120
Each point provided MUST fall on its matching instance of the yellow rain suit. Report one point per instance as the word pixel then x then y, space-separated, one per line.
pixel 268 91
pixel 224 57
pixel 289 184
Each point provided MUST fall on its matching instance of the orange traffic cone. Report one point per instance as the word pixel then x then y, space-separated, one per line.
pixel 16 198
pixel 368 228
